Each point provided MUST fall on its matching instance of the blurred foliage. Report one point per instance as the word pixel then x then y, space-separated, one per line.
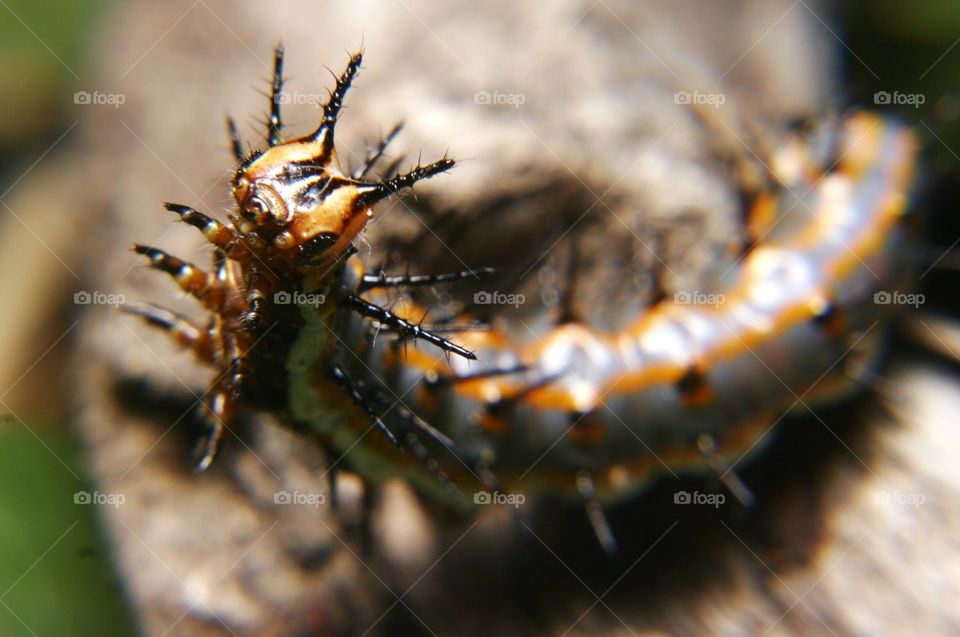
pixel 912 48
pixel 55 574
pixel 43 50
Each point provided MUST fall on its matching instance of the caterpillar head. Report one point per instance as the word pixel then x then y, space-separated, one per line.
pixel 294 196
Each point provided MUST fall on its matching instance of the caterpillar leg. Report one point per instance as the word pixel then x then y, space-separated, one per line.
pixel 237 367
pixel 225 298
pixel 219 405
pixel 258 288
pixel 216 411
pixel 183 331
pixel 189 277
pixel 215 232
pixel 216 289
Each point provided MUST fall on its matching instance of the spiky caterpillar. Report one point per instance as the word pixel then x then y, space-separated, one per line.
pixel 577 410
pixel 291 238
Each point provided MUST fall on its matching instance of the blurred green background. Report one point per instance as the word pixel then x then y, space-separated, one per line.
pixel 55 572
pixel 56 577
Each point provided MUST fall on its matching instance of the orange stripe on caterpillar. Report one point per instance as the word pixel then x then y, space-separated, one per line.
pixel 790 311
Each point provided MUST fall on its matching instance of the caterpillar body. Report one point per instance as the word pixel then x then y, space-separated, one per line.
pixel 299 328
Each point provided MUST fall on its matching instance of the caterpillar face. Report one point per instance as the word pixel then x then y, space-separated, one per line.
pixel 295 197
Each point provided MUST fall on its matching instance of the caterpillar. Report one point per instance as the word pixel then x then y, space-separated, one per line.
pixel 300 328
